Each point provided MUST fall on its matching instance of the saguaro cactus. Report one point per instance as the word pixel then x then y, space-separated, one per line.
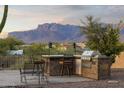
pixel 4 18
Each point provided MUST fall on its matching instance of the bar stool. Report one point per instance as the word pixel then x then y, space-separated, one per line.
pixel 39 66
pixel 66 65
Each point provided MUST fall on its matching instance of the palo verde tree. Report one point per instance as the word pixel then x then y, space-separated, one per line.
pixel 2 24
pixel 102 37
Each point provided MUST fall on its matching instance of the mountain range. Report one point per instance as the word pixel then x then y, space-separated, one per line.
pixel 53 32
pixel 50 32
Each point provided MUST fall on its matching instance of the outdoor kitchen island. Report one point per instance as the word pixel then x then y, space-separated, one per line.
pixel 94 67
pixel 54 67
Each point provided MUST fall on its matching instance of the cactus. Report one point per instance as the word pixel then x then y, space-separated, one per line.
pixel 4 18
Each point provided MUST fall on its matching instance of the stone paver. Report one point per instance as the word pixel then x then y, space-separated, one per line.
pixel 9 78
pixel 12 78
pixel 116 81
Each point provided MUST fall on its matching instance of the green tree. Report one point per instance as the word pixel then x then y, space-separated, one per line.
pixel 4 18
pixel 102 37
pixel 35 49
pixel 9 43
pixel 13 42
pixel 3 47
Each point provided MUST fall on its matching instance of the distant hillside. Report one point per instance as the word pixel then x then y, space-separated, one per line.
pixel 50 32
pixel 53 32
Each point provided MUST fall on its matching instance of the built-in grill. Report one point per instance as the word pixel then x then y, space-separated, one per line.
pixel 94 65
pixel 87 58
pixel 86 55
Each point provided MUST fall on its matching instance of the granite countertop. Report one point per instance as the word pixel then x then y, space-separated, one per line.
pixel 61 55
pixel 52 55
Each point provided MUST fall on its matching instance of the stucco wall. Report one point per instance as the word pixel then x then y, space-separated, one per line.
pixel 119 61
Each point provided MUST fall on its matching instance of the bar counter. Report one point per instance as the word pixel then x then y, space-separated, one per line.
pixel 53 66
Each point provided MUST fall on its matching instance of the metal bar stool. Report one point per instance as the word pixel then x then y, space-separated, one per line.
pixel 40 67
pixel 66 66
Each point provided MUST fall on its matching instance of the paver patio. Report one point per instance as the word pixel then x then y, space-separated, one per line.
pixel 11 78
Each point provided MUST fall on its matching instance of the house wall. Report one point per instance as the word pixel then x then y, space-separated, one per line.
pixel 119 61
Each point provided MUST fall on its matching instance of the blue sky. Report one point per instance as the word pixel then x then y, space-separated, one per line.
pixel 22 17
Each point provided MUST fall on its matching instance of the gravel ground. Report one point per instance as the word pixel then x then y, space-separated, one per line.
pixel 116 81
